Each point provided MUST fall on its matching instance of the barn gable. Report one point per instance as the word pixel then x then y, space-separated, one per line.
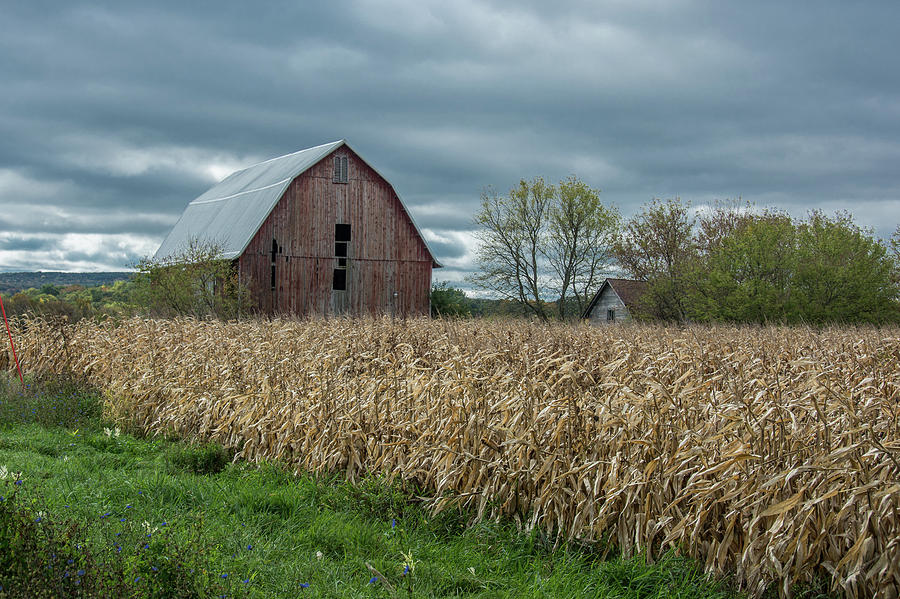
pixel 230 213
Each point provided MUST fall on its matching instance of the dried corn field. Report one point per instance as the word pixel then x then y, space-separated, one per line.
pixel 772 453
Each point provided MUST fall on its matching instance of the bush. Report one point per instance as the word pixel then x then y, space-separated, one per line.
pixel 197 282
pixel 449 301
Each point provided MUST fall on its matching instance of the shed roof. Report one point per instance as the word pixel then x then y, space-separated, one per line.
pixel 628 290
pixel 231 212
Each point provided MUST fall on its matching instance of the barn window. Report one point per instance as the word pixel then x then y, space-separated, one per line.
pixel 340 279
pixel 275 251
pixel 340 169
pixel 610 315
pixel 341 241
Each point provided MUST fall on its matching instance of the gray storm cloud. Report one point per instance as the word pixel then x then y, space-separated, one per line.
pixel 114 116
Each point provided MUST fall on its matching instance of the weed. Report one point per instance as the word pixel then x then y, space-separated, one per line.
pixel 208 458
pixel 45 556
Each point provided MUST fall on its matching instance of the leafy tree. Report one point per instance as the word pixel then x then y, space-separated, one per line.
pixel 657 246
pixel 894 244
pixel 541 240
pixel 50 289
pixel 196 282
pixel 842 272
pixel 449 301
pixel 771 268
pixel 746 274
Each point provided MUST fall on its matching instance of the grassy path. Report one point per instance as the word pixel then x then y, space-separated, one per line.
pixel 153 517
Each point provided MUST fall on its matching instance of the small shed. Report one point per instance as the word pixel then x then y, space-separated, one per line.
pixel 318 232
pixel 617 301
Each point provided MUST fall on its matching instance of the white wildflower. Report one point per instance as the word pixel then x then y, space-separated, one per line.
pixel 409 564
pixel 4 473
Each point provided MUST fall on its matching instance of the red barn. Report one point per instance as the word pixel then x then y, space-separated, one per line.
pixel 318 231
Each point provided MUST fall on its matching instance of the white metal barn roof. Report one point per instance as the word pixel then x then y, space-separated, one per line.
pixel 230 213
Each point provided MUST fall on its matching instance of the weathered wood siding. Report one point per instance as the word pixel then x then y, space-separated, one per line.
pixel 385 257
pixel 608 300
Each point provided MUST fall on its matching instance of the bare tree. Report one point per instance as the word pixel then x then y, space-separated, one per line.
pixel 579 243
pixel 542 241
pixel 720 222
pixel 511 235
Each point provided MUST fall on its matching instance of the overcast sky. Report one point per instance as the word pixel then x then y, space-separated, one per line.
pixel 114 115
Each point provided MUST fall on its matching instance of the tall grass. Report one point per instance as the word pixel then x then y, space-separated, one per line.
pixel 768 452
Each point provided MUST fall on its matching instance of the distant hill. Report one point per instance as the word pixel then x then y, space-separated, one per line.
pixel 11 282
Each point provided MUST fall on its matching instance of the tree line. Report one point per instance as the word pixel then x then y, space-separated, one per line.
pixel 196 282
pixel 547 248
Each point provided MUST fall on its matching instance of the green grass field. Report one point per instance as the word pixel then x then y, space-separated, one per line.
pixel 88 511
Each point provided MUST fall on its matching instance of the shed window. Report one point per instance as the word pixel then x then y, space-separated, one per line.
pixel 340 169
pixel 610 315
pixel 340 249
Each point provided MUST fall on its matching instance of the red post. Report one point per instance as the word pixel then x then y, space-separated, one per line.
pixel 11 344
